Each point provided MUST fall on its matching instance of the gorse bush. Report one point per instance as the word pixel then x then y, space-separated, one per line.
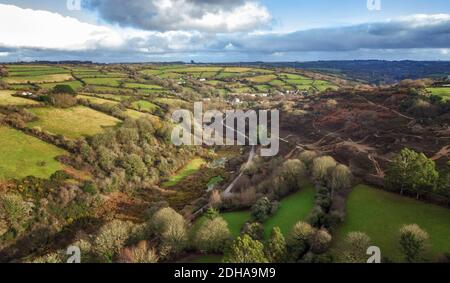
pixel 14 212
pixel 111 239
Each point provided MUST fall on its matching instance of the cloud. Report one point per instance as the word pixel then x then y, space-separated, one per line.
pixel 26 28
pixel 44 35
pixel 417 31
pixel 171 15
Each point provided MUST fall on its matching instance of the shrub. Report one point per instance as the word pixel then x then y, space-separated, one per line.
pixel 321 168
pixel 246 250
pixel 254 230
pixel 111 239
pixel 293 172
pixel 141 253
pixel 355 247
pixel 62 100
pixel 320 241
pixel 298 240
pixel 213 235
pixel 263 208
pixel 170 227
pixel 413 242
pixel 15 212
pixel 307 157
pixel 341 178
pixel 67 89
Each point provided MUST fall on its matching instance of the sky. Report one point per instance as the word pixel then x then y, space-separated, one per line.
pixel 110 31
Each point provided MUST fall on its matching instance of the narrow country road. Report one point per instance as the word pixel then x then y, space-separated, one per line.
pixel 227 192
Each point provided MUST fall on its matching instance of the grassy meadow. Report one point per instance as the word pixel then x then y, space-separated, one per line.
pixel 6 98
pixel 26 156
pixel 380 214
pixel 72 122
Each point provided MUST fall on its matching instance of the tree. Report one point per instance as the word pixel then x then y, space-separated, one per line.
pixel 276 246
pixel 413 172
pixel 254 230
pixel 170 227
pixel 413 242
pixel 298 240
pixel 293 172
pixel 355 248
pixel 66 89
pixel 262 209
pixel 341 178
pixel 246 250
pixel 320 241
pixel 213 235
pixel 321 168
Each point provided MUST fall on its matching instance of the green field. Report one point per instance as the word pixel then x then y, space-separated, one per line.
pixel 136 114
pixel 142 86
pixel 237 70
pixel 6 98
pixel 38 79
pixel 443 92
pixel 76 85
pixel 380 214
pixel 113 82
pixel 38 72
pixel 193 166
pixel 292 209
pixel 26 156
pixel 172 102
pixel 73 122
pixel 262 79
pixel 99 101
pixel 144 106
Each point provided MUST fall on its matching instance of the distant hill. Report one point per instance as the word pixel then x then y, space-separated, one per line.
pixel 374 71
